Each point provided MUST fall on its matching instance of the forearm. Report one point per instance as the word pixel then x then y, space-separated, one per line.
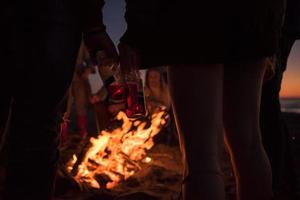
pixel 94 34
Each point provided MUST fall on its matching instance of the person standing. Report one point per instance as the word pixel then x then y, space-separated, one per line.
pixel 40 44
pixel 216 51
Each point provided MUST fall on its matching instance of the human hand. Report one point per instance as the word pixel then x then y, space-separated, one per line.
pixel 94 99
pixel 102 94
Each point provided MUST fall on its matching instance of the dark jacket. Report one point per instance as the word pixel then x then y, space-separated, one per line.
pixel 168 31
pixel 81 14
pixel 292 19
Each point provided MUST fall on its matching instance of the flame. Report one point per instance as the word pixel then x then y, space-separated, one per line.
pixel 118 153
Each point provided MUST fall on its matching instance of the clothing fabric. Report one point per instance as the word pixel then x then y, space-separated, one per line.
pixel 194 32
pixel 292 20
pixel 39 48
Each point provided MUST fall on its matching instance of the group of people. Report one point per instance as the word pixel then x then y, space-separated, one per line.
pixel 88 112
pixel 216 55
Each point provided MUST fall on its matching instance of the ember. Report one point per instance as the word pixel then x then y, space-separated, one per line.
pixel 117 154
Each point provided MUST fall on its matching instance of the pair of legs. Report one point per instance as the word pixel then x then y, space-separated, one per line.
pixel 39 60
pixel 206 99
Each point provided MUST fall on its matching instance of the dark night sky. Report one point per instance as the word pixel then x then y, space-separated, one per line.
pixel 114 20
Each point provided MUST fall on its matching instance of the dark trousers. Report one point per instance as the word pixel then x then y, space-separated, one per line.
pixel 273 128
pixel 38 59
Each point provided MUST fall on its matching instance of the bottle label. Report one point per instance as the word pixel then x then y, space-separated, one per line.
pixel 135 101
pixel 117 93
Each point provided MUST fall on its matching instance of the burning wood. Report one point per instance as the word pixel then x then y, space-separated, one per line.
pixel 117 154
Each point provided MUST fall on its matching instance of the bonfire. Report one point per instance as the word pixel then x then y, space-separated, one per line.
pixel 117 154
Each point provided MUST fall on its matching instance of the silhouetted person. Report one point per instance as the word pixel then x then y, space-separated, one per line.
pixel 216 51
pixel 40 44
pixel 274 131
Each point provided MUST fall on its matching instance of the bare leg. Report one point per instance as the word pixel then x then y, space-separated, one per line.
pixel 196 92
pixel 242 90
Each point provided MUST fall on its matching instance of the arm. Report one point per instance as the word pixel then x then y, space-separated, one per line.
pixel 94 31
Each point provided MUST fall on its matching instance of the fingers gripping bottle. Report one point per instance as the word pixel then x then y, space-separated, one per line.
pixel 123 88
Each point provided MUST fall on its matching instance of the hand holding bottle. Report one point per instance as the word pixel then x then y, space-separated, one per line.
pixel 130 63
